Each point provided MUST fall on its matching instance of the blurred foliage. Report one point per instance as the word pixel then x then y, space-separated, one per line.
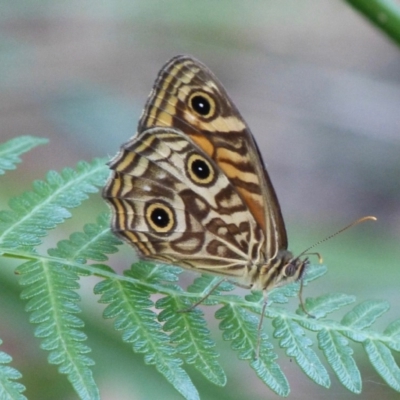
pixel 385 14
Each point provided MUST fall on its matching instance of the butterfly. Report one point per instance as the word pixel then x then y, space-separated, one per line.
pixel 191 189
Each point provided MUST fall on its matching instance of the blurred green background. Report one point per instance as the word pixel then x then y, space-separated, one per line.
pixel 319 87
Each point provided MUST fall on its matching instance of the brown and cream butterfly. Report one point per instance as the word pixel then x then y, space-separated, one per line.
pixel 190 188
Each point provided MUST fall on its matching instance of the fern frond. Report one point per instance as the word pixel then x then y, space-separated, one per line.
pixel 334 346
pixel 363 316
pixel 339 355
pixel 52 302
pixel 383 361
pixel 34 213
pixel 9 389
pixel 12 149
pixel 94 243
pixel 188 331
pixel 241 328
pixel 50 289
pixel 130 305
pixel 203 284
pixel 357 320
pixel 332 338
pixel 321 306
pixel 298 346
pixel 392 332
pixel 153 274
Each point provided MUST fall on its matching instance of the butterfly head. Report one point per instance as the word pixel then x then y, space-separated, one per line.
pixel 293 270
pixel 283 269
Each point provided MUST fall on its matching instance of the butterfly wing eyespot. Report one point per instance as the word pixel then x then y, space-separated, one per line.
pixel 199 170
pixel 202 104
pixel 160 217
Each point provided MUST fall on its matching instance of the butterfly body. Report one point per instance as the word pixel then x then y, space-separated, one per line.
pixel 190 188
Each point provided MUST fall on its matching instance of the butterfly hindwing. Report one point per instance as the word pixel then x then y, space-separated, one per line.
pixel 174 204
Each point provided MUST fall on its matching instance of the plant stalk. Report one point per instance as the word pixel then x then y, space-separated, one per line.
pixel 385 14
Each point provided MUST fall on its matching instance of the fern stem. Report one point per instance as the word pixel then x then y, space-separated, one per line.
pixel 256 307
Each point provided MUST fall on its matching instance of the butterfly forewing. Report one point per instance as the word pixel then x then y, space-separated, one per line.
pixel 222 134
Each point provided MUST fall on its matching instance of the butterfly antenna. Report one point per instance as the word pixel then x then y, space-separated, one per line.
pixel 356 222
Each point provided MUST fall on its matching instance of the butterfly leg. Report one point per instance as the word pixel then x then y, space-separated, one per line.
pixel 259 328
pixel 303 306
pixel 238 284
pixel 194 305
pixel 260 323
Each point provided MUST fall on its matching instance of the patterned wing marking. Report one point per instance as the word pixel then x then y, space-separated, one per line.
pixel 211 227
pixel 221 133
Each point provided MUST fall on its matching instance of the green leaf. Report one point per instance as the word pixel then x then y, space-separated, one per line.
pixel 153 273
pixel 384 363
pixel 321 306
pixel 282 294
pixel 34 213
pixel 393 332
pixel 314 272
pixel 204 284
pixel 94 243
pixel 363 316
pixel 53 301
pixel 241 327
pixel 50 289
pixel 9 151
pixel 298 347
pixel 189 333
pixel 268 370
pixel 9 389
pixel 130 305
pixel 339 355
